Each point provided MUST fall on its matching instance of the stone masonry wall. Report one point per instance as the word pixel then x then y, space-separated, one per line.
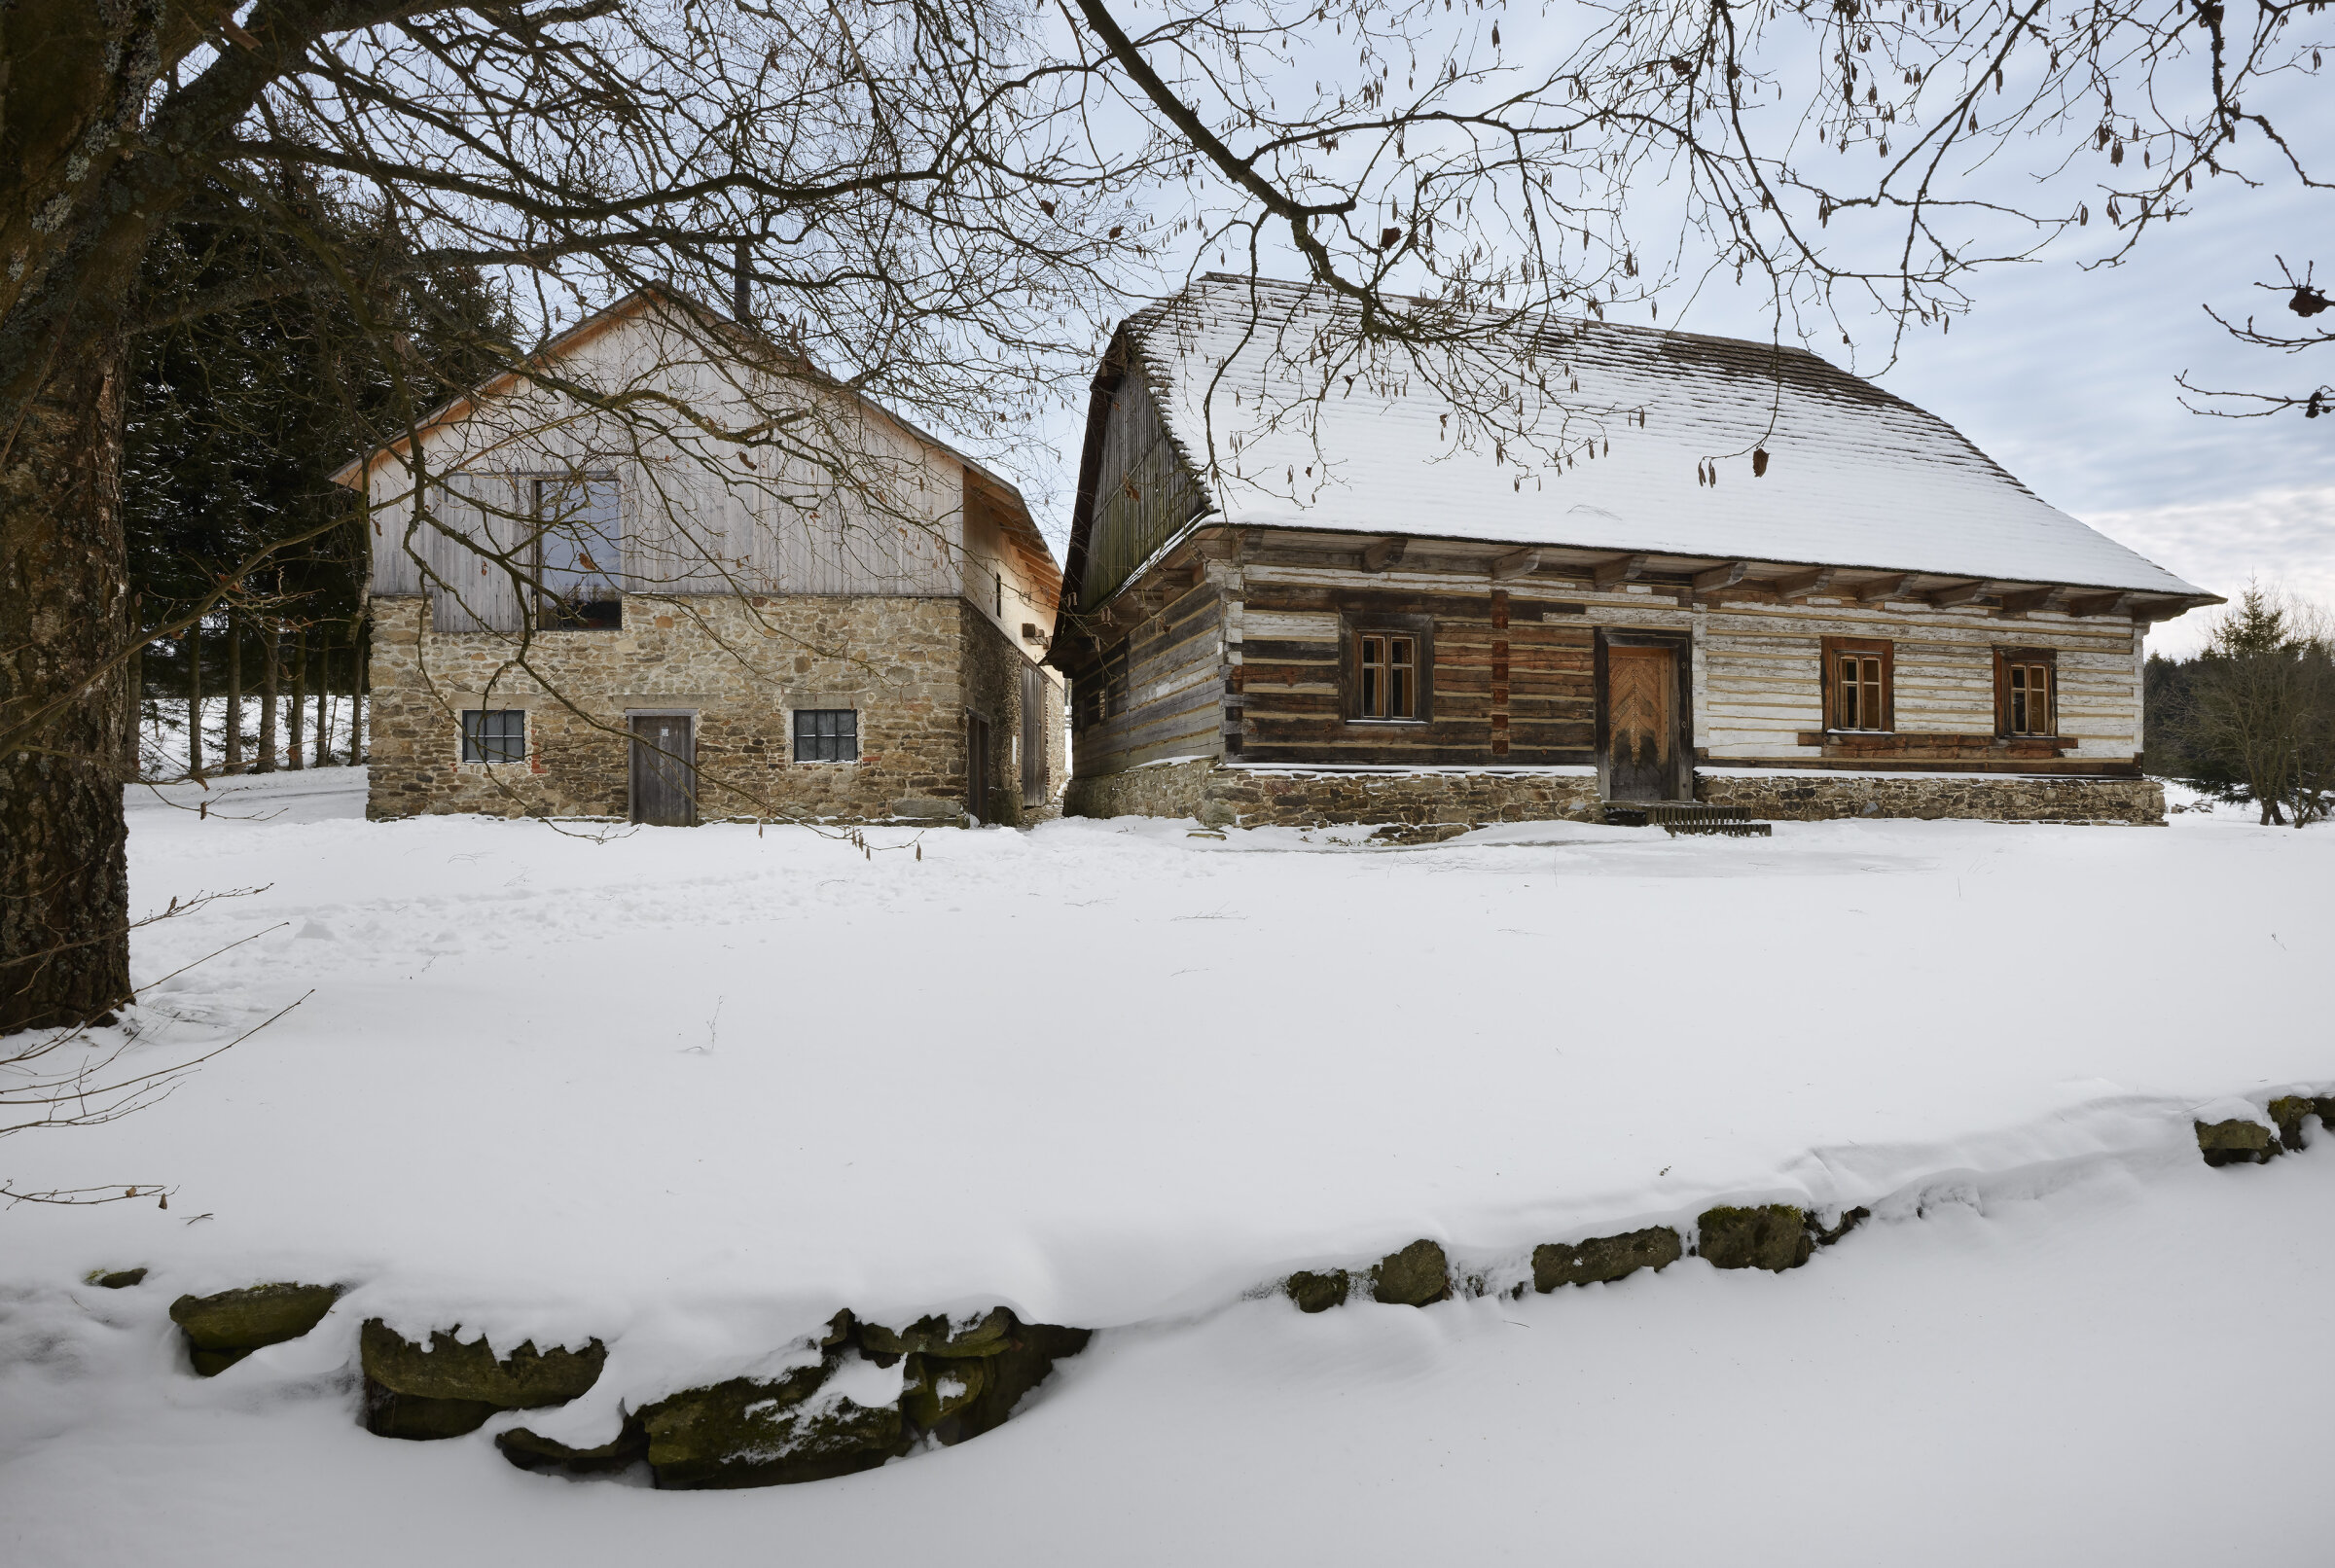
pixel 1223 795
pixel 1230 796
pixel 2007 797
pixel 993 666
pixel 741 666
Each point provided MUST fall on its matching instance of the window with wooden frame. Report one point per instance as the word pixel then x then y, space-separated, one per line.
pixel 1387 668
pixel 2027 682
pixel 826 735
pixel 494 734
pixel 1859 684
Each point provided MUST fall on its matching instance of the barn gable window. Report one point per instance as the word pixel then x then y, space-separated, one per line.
pixel 1859 681
pixel 495 735
pixel 2026 691
pixel 579 553
pixel 826 735
pixel 1388 669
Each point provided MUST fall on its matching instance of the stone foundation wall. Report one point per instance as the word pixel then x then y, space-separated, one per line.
pixel 2007 797
pixel 740 667
pixel 1223 795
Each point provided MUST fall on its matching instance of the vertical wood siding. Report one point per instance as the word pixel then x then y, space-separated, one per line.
pixel 1143 491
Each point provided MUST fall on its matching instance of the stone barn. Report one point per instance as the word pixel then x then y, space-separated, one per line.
pixel 669 575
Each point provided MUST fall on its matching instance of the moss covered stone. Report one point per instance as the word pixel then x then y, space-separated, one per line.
pixel 2288 1111
pixel 758 1432
pixel 529 1451
pixel 222 1330
pixel 1773 1236
pixel 1318 1293
pixel 118 1279
pixel 936 1336
pixel 2235 1142
pixel 941 1389
pixel 451 1387
pixel 1415 1276
pixel 1601 1259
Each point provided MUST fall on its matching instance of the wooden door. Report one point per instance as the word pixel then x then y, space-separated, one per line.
pixel 1642 686
pixel 664 773
pixel 977 767
pixel 1035 695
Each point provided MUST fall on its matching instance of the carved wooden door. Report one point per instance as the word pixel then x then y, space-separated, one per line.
pixel 664 773
pixel 1641 692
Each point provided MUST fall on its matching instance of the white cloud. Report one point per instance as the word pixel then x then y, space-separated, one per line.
pixel 2284 535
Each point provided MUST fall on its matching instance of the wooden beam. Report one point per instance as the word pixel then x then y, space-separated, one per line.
pixel 1722 576
pixel 2023 600
pixel 2093 604
pixel 1382 554
pixel 1516 563
pixel 1800 585
pixel 1884 588
pixel 1959 593
pixel 1617 569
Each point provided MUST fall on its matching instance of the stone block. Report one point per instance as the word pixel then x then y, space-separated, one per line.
pixel 222 1330
pixel 529 1451
pixel 1602 1259
pixel 1415 1276
pixel 766 1432
pixel 451 1387
pixel 1773 1236
pixel 1318 1293
pixel 2235 1143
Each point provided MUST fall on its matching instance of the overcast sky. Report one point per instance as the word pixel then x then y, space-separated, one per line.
pixel 2066 376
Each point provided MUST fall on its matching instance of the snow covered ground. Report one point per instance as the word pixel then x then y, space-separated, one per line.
pixel 691 1091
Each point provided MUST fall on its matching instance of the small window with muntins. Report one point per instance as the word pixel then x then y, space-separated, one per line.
pixel 1388 664
pixel 826 735
pixel 2024 691
pixel 495 735
pixel 1858 676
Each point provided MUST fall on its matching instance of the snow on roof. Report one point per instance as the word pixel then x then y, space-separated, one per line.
pixel 1856 477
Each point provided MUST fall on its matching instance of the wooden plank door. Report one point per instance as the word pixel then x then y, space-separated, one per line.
pixel 1035 693
pixel 664 772
pixel 1642 686
pixel 977 767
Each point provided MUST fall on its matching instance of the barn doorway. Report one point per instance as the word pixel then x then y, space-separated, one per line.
pixel 977 767
pixel 1641 723
pixel 664 769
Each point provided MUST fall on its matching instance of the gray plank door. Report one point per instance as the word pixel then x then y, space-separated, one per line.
pixel 664 773
pixel 1035 694
pixel 1639 682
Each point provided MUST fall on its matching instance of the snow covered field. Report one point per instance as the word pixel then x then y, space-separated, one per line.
pixel 691 1091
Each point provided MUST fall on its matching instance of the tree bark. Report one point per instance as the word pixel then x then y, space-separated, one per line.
pixel 274 644
pixel 296 738
pixel 234 747
pixel 195 701
pixel 134 697
pixel 64 883
pixel 359 679
pixel 324 694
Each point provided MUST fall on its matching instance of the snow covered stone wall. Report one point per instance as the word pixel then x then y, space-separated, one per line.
pixel 1782 797
pixel 1231 795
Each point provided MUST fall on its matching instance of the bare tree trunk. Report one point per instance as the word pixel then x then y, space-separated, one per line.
pixel 195 699
pixel 324 694
pixel 64 883
pixel 359 682
pixel 234 690
pixel 297 713
pixel 274 643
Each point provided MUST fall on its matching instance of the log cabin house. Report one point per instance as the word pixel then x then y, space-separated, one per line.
pixel 670 575
pixel 1302 587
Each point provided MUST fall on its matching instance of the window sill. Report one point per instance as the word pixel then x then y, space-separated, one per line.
pixel 1419 724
